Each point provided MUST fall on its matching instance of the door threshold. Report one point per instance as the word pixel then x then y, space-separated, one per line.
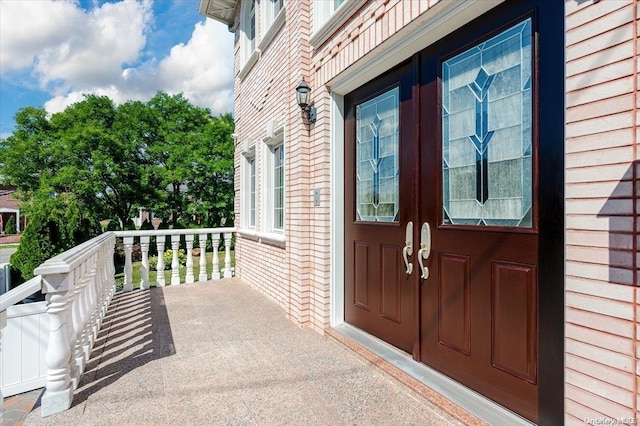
pixel 468 406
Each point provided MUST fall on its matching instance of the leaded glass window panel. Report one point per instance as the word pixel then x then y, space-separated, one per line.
pixel 486 132
pixel 377 161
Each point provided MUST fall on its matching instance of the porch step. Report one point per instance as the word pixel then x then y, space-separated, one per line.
pixel 18 407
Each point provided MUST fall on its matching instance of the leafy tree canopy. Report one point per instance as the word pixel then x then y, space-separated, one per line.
pixel 166 155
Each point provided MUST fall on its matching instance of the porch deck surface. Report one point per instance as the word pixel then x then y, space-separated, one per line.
pixel 219 352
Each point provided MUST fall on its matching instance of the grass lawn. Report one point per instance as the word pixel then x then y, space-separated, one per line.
pixel 167 273
pixel 9 246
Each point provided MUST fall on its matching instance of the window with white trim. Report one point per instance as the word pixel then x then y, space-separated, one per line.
pixel 248 31
pixel 274 218
pixel 322 11
pixel 270 10
pixel 278 188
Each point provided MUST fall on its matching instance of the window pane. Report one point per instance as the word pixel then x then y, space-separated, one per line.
pixel 278 187
pixel 251 34
pixel 486 132
pixel 377 164
pixel 252 215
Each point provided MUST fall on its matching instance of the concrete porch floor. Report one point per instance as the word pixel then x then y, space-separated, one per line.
pixel 219 352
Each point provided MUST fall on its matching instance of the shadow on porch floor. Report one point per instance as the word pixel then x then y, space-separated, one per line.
pixel 221 353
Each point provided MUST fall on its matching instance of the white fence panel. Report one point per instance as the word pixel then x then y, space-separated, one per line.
pixel 24 347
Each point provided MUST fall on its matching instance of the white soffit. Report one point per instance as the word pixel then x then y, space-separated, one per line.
pixel 442 19
pixel 220 10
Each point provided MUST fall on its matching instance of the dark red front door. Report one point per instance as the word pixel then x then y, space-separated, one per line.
pixel 444 156
pixel 379 187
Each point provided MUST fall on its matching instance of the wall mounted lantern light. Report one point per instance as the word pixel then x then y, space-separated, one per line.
pixel 302 96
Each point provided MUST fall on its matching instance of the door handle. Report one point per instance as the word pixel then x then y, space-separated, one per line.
pixel 425 249
pixel 408 248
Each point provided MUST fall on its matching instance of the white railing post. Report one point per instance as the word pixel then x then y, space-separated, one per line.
pixel 189 278
pixel 175 264
pixel 215 241
pixel 202 239
pixel 3 324
pixel 128 265
pixel 227 255
pixel 160 265
pixel 144 267
pixel 59 393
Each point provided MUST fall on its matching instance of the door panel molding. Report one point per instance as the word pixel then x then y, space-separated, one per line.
pixel 514 326
pixel 454 302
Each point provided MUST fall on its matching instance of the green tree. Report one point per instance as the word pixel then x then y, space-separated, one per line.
pixel 85 150
pixel 177 128
pixel 10 228
pixel 211 182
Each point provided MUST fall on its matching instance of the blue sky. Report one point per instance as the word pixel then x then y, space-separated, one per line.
pixel 54 52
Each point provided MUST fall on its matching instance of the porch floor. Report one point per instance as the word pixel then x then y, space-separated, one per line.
pixel 219 352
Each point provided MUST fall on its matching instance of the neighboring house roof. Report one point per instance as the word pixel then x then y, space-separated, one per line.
pixel 7 202
pixel 220 10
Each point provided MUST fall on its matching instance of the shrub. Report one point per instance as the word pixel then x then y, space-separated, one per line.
pixel 55 224
pixel 10 228
pixel 168 258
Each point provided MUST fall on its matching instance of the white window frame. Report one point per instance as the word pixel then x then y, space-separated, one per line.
pixel 249 154
pixel 273 140
pixel 248 50
pixel 270 13
pixel 328 17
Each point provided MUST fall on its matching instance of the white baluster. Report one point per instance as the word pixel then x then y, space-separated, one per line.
pixel 58 394
pixel 75 299
pixel 85 315
pixel 144 267
pixel 202 239
pixel 87 332
pixel 189 278
pixel 160 266
pixel 227 255
pixel 175 265
pixel 93 306
pixel 215 240
pixel 128 265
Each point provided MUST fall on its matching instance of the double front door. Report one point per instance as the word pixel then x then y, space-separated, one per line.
pixel 441 210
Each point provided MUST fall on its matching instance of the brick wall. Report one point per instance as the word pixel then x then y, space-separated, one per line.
pixel 601 214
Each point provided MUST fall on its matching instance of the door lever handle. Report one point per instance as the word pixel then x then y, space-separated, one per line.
pixel 425 249
pixel 408 248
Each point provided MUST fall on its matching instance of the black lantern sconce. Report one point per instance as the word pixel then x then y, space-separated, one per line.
pixel 302 96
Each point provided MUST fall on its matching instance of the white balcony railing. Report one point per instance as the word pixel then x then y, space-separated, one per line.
pixel 79 285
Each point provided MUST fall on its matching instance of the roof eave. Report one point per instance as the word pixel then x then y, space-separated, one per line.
pixel 221 10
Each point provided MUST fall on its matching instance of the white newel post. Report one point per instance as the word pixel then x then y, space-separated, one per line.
pixel 215 241
pixel 189 278
pixel 175 265
pixel 59 393
pixel 202 239
pixel 144 267
pixel 160 265
pixel 128 265
pixel 227 255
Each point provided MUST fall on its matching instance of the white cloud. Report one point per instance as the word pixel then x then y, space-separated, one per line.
pixel 71 52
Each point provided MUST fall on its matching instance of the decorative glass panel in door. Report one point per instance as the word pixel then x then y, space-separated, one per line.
pixel 486 132
pixel 377 164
